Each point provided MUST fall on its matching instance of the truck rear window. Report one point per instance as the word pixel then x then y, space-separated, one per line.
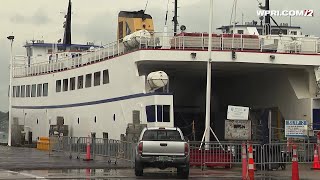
pixel 161 135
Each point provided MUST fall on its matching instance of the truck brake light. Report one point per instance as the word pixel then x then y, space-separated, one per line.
pixel 140 148
pixel 186 149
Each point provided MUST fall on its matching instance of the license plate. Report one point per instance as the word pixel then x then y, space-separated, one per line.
pixel 164 158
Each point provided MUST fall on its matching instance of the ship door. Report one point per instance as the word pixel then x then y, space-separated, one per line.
pixel 30 137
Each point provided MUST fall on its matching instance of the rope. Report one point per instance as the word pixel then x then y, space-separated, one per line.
pixel 232 11
pixel 146 6
pixel 185 126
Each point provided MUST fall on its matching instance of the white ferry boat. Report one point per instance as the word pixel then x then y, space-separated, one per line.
pixel 150 79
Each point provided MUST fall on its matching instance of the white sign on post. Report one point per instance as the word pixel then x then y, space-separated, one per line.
pixel 237 130
pixel 296 128
pixel 238 113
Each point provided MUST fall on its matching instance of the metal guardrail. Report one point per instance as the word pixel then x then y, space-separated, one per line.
pixel 114 150
pixel 223 154
pixel 266 157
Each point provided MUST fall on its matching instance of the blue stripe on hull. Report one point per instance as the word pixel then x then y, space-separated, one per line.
pixel 121 98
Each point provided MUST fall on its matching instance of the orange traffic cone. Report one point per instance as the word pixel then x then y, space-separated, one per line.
pixel 88 158
pixel 251 163
pixel 295 166
pixel 244 162
pixel 316 164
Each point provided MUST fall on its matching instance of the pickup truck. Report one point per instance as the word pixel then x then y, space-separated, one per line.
pixel 160 147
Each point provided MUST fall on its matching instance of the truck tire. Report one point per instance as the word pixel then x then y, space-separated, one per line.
pixel 138 170
pixel 183 172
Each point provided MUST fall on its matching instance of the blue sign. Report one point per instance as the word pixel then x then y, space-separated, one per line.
pixel 296 128
pixel 296 122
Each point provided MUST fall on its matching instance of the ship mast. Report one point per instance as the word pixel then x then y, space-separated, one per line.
pixel 67 27
pixel 267 19
pixel 175 18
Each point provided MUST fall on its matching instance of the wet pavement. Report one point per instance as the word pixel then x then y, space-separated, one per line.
pixel 28 163
pixel 16 158
pixel 127 174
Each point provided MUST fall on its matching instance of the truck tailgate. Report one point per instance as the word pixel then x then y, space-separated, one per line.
pixel 164 148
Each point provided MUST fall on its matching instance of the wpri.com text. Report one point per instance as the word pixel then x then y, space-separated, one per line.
pixel 301 13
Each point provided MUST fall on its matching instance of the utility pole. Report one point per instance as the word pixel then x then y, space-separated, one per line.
pixel 11 39
pixel 208 94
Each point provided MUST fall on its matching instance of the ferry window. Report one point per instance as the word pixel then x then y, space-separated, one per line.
pixel 14 91
pixel 78 120
pixel 284 31
pixel 276 31
pixel 18 91
pixel 151 114
pixel 23 91
pixel 65 85
pixel 88 80
pixel 105 135
pixel 58 86
pixel 95 119
pixel 159 113
pixel 45 89
pixel 293 32
pixel 105 76
pixel 163 113
pixel 72 84
pixel 166 113
pixel 33 90
pixel 80 82
pixel 39 90
pixel 240 31
pixel 97 79
pixel 28 91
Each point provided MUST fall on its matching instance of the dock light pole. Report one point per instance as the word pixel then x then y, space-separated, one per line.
pixel 208 96
pixel 11 39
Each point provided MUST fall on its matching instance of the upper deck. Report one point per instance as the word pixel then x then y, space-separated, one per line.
pixel 272 44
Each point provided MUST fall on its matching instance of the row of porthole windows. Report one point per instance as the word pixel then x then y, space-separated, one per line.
pixel 34 90
pixel 95 119
pixel 66 84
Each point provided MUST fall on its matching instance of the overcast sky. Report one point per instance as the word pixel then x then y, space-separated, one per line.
pixel 96 21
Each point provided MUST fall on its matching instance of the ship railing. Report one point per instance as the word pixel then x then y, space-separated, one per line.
pixel 99 54
pixel 183 41
pixel 199 41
